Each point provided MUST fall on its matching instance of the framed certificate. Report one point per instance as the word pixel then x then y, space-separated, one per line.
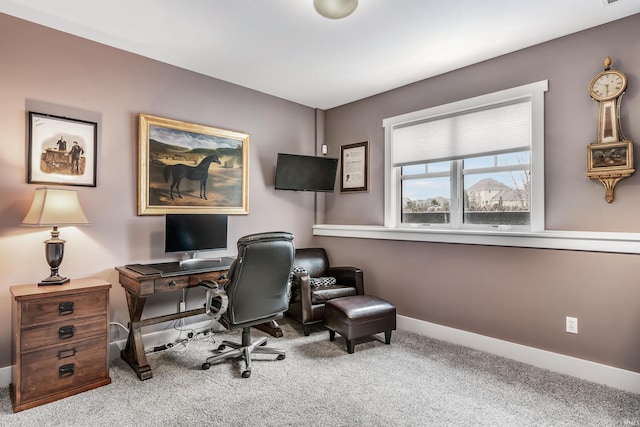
pixel 354 167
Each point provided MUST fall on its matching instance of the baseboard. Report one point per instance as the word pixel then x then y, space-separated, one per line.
pixel 5 376
pixel 580 368
pixel 584 369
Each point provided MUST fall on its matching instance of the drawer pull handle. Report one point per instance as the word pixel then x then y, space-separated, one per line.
pixel 63 354
pixel 65 308
pixel 66 332
pixel 66 370
pixel 172 283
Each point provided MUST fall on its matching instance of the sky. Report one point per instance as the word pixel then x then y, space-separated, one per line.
pixel 190 139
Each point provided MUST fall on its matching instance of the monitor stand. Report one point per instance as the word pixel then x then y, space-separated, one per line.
pixel 191 261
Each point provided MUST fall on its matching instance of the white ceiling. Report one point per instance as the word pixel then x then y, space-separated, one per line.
pixel 284 48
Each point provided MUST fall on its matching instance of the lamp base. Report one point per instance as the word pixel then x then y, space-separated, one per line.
pixel 54 249
pixel 54 281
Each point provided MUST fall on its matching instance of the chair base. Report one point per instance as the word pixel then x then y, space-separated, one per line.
pixel 243 350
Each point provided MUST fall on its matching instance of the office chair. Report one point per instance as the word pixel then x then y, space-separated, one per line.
pixel 255 293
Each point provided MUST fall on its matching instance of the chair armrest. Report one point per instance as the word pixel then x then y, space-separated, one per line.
pixel 217 300
pixel 352 276
pixel 212 284
pixel 305 295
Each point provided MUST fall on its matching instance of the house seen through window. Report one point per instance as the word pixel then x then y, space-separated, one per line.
pixel 495 191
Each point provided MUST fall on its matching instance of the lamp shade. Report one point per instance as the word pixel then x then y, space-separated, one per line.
pixel 53 206
pixel 335 9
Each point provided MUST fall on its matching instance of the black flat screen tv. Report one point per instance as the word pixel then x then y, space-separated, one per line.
pixel 305 173
pixel 190 233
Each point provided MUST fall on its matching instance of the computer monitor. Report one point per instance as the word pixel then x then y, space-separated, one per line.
pixel 191 233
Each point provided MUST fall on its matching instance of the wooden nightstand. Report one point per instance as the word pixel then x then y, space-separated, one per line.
pixel 60 338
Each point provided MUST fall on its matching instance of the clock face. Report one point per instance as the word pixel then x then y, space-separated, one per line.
pixel 607 85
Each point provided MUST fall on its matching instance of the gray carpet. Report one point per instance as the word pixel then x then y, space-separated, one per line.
pixel 416 381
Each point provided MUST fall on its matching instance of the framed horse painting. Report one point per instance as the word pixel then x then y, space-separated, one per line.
pixel 191 168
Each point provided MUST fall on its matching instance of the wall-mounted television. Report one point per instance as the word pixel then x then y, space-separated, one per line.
pixel 191 233
pixel 305 173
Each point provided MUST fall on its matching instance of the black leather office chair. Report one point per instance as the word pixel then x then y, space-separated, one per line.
pixel 255 293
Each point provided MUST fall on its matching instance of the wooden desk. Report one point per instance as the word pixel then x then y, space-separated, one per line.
pixel 140 286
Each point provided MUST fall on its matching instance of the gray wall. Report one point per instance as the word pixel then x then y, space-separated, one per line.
pixel 50 72
pixel 516 294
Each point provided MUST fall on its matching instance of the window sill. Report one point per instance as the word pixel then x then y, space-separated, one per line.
pixel 628 243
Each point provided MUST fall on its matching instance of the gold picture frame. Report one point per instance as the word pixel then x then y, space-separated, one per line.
pixel 191 168
pixel 354 167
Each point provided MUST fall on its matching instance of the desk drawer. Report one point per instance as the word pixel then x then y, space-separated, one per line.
pixel 216 276
pixel 171 283
pixel 63 367
pixel 64 307
pixel 61 332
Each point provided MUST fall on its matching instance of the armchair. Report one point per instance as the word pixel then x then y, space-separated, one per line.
pixel 255 293
pixel 314 286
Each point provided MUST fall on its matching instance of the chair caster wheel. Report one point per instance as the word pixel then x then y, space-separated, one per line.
pixel 221 347
pixel 206 366
pixel 246 374
pixel 280 357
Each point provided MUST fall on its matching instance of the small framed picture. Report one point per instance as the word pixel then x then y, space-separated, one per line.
pixel 354 167
pixel 603 158
pixel 62 151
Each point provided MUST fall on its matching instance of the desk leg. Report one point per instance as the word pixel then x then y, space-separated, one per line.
pixel 133 352
pixel 271 328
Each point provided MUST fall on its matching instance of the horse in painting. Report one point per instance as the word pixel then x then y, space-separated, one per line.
pixel 194 173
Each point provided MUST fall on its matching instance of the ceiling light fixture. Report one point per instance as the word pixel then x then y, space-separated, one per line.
pixel 335 9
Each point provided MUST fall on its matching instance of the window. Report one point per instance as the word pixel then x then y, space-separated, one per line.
pixel 470 165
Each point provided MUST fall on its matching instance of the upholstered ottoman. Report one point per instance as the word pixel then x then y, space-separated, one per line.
pixel 359 316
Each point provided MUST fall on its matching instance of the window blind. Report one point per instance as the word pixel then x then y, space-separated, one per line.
pixel 489 130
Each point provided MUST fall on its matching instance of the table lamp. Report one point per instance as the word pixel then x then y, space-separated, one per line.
pixel 54 207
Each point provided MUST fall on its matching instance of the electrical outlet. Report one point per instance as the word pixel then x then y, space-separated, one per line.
pixel 183 306
pixel 572 325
